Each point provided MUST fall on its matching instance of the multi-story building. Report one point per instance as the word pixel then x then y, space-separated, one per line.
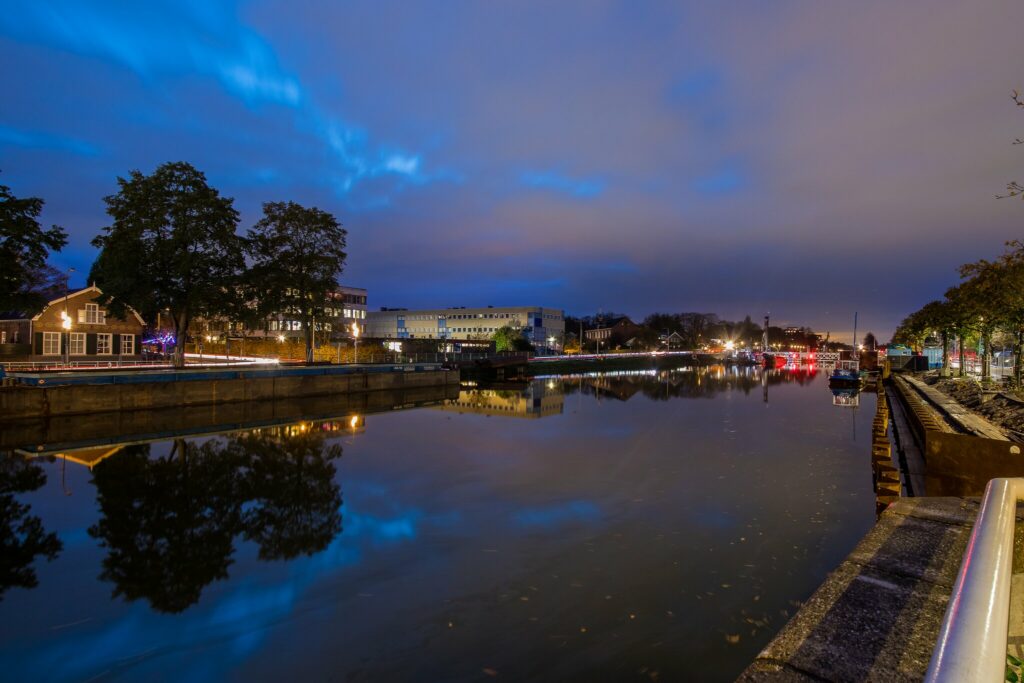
pixel 344 306
pixel 542 327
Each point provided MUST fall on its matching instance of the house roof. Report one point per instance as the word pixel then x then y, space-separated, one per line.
pixel 79 292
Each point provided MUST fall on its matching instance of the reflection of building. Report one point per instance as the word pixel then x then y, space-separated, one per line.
pixel 542 327
pixel 87 457
pixel 535 402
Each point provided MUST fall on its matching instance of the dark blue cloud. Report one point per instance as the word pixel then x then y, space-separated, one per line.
pixel 505 154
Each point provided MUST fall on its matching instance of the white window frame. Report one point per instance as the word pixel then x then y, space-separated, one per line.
pixel 48 339
pixel 109 339
pixel 73 340
pixel 127 344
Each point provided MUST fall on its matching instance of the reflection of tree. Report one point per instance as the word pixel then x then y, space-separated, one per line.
pixel 168 523
pixel 295 503
pixel 22 536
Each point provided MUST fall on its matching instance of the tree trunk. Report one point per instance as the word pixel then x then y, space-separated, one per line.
pixel 963 364
pixel 180 327
pixel 309 341
pixel 986 362
pixel 1017 357
pixel 945 353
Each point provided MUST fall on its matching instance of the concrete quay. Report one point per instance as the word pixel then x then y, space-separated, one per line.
pixel 877 616
pixel 59 394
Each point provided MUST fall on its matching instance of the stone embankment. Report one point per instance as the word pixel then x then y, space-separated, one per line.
pixel 1001 407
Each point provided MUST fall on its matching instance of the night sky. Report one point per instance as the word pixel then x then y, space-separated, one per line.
pixel 808 159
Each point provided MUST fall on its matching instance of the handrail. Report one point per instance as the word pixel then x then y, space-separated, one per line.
pixel 972 642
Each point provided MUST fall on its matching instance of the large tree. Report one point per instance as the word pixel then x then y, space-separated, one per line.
pixel 297 254
pixel 24 246
pixel 172 246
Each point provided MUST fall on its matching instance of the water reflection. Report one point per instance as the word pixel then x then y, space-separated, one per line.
pixel 169 522
pixel 23 538
pixel 637 527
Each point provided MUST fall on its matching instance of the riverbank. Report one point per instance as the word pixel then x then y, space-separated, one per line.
pixel 877 615
pixel 1002 408
pixel 618 362
pixel 47 395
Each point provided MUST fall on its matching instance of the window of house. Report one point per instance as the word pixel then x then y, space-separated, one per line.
pixel 3 336
pixel 77 345
pixel 104 343
pixel 51 343
pixel 94 316
pixel 127 344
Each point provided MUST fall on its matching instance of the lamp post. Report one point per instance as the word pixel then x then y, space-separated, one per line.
pixel 355 335
pixel 66 320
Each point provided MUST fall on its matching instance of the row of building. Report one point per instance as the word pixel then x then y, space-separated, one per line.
pixel 79 327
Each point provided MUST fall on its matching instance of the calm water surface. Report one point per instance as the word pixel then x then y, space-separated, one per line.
pixel 633 527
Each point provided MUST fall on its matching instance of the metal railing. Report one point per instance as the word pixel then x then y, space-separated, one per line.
pixel 972 642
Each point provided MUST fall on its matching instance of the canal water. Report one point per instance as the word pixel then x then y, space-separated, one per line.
pixel 650 527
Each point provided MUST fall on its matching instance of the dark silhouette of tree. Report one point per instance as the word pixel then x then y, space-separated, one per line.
pixel 168 523
pixel 298 254
pixel 294 503
pixel 22 535
pixel 1015 188
pixel 24 246
pixel 172 245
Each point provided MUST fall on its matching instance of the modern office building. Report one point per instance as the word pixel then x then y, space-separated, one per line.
pixel 542 327
pixel 345 305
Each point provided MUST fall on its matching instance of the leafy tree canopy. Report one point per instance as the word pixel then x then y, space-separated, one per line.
pixel 298 254
pixel 171 246
pixel 24 246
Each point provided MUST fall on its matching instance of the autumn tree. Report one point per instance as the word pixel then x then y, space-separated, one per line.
pixel 171 246
pixel 297 255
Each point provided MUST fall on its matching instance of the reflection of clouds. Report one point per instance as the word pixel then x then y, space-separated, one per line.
pixel 557 514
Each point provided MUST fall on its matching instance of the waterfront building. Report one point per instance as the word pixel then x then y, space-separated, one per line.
pixel 614 332
pixel 342 307
pixel 542 327
pixel 77 326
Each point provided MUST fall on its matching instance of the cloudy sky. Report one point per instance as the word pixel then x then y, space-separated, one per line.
pixel 804 158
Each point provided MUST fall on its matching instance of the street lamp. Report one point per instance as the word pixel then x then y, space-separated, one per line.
pixel 355 334
pixel 551 343
pixel 66 320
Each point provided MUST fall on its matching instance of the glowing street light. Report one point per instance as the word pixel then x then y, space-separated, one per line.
pixel 280 337
pixel 355 335
pixel 730 345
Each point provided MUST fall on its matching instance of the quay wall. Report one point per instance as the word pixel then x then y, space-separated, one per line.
pixel 21 402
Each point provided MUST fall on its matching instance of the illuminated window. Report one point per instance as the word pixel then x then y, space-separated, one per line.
pixel 77 345
pixel 51 343
pixel 104 344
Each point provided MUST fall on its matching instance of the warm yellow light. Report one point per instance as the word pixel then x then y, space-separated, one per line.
pixel 355 329
pixel 354 422
pixel 280 337
pixel 65 321
pixel 729 345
